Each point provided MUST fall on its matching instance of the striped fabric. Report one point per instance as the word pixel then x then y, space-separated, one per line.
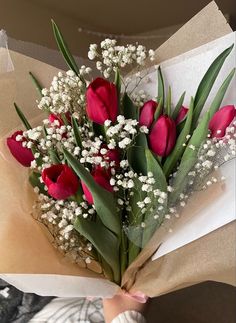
pixel 129 317
pixel 70 310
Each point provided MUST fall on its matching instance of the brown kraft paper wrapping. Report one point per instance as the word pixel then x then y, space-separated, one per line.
pixel 24 247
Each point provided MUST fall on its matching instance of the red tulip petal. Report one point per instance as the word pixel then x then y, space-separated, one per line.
pixel 22 154
pixel 181 115
pixel 102 101
pixel 87 193
pixel 221 120
pixel 102 178
pixel 53 117
pixel 171 137
pixel 95 108
pixel 113 112
pixel 61 181
pixel 113 155
pixel 147 113
pixel 163 136
pixel 104 181
pixel 158 137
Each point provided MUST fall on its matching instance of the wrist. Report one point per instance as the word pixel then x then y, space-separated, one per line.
pixel 119 304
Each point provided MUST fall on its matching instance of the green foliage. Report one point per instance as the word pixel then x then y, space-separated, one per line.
pixel 54 156
pixel 160 183
pixel 36 83
pixel 161 87
pixel 136 154
pixel 130 109
pixel 76 131
pixel 189 158
pixel 34 179
pixel 178 106
pixel 172 160
pixel 168 102
pixel 22 117
pixel 207 83
pixel 104 201
pixel 65 50
pixel 215 105
pixel 159 110
pixel 105 242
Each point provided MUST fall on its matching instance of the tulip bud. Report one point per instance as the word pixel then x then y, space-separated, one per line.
pixel 221 121
pixel 102 178
pixel 22 154
pixel 181 115
pixel 61 181
pixel 162 137
pixel 102 101
pixel 147 113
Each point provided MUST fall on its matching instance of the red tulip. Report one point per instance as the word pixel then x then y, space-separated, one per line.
pixel 61 181
pixel 102 101
pixel 112 155
pixel 181 115
pixel 221 120
pixel 22 154
pixel 102 178
pixel 148 110
pixel 163 136
pixel 53 117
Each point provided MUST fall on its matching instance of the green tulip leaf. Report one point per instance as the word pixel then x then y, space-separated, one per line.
pixel 105 242
pixel 161 184
pixel 154 167
pixel 138 236
pixel 123 252
pixel 178 106
pixel 168 102
pixel 36 83
pixel 99 130
pixel 76 132
pixel 137 160
pixel 64 49
pixel 189 158
pixel 54 156
pixel 118 87
pixel 161 87
pixel 64 119
pixel 207 83
pixel 215 105
pixel 159 109
pixel 141 140
pixel 34 179
pixel 199 135
pixel 136 154
pixel 22 117
pixel 134 231
pixel 118 81
pixel 172 160
pixel 104 201
pixel 130 109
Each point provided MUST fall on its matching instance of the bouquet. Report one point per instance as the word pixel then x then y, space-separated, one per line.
pixel 112 167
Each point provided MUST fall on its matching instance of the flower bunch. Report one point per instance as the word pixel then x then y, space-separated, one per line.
pixel 107 172
pixel 111 56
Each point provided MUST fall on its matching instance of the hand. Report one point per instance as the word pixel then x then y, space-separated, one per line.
pixel 119 304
